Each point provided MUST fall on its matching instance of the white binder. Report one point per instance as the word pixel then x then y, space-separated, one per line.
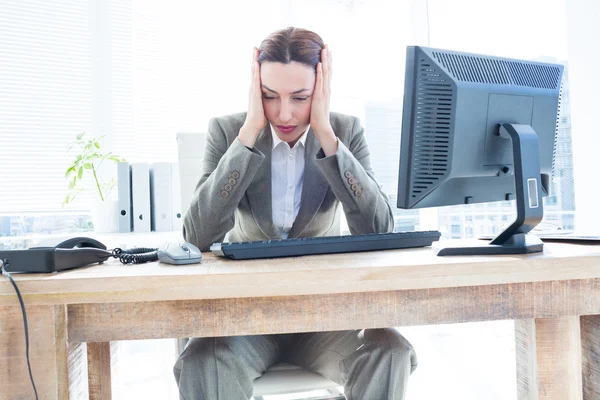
pixel 190 148
pixel 176 206
pixel 160 196
pixel 140 193
pixel 124 193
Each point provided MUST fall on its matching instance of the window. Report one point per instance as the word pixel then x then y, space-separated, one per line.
pixel 139 72
pixel 136 72
pixel 47 98
pixel 465 25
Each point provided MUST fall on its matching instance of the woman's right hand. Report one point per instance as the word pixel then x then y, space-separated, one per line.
pixel 255 118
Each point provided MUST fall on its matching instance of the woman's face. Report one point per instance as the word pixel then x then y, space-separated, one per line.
pixel 287 97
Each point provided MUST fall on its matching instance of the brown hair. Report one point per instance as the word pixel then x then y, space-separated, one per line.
pixel 292 44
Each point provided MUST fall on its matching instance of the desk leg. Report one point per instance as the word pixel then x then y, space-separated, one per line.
pixel 549 359
pixel 101 356
pixel 52 359
pixel 590 354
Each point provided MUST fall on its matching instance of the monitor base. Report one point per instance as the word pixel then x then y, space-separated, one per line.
pixel 517 244
pixel 515 239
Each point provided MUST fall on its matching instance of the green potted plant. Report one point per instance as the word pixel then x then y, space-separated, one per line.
pixel 87 164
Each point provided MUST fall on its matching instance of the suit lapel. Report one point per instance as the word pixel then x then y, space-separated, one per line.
pixel 314 187
pixel 259 191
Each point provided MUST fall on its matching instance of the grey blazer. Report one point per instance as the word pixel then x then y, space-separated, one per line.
pixel 233 195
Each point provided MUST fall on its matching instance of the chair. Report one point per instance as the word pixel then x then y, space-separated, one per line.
pixel 281 378
pixel 284 378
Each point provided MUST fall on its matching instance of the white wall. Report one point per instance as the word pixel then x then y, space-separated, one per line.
pixel 583 31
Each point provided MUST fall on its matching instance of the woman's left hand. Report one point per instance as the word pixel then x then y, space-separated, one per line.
pixel 319 113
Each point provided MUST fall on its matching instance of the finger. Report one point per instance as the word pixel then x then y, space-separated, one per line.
pixel 252 67
pixel 330 73
pixel 325 68
pixel 255 84
pixel 251 85
pixel 319 82
pixel 257 69
pixel 257 77
pixel 253 59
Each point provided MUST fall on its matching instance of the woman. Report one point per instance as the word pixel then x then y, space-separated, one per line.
pixel 281 170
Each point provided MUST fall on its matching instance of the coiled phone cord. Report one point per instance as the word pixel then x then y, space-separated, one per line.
pixel 136 255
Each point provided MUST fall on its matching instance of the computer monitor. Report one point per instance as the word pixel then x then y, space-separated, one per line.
pixel 479 129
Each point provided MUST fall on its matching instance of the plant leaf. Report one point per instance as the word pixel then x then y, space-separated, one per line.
pixel 87 165
pixel 97 145
pixel 79 136
pixel 80 172
pixel 69 171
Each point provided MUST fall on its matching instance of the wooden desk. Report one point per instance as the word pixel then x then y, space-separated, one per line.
pixel 546 293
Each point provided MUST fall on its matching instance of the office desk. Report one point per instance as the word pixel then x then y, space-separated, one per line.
pixel 546 293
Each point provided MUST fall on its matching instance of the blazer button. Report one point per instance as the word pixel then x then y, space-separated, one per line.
pixel 348 174
pixel 224 193
pixel 357 192
pixel 351 181
pixel 228 187
pixel 355 187
pixel 232 181
pixel 235 174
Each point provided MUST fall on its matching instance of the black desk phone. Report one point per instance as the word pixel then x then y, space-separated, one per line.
pixel 56 255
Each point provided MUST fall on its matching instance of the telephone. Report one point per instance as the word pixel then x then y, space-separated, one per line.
pixel 71 243
pixel 56 255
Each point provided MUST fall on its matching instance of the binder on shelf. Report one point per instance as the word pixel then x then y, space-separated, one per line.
pixel 190 148
pixel 124 194
pixel 176 206
pixel 140 193
pixel 160 196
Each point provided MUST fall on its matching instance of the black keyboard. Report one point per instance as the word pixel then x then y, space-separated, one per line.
pixel 324 245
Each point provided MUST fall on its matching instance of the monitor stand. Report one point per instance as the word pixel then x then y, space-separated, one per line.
pixel 515 239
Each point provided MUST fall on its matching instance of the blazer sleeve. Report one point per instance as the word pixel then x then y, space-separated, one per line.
pixel 352 180
pixel 226 173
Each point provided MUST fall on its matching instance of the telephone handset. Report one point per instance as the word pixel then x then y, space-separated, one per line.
pixel 71 243
pixel 56 254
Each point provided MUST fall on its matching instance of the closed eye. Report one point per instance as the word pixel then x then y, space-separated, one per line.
pixel 300 98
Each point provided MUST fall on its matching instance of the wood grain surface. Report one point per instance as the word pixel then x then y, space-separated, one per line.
pixel 218 278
